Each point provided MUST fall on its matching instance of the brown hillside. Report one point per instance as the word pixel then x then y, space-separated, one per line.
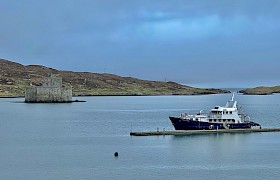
pixel 261 90
pixel 15 77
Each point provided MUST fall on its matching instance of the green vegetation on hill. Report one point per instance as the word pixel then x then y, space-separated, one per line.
pixel 261 90
pixel 14 78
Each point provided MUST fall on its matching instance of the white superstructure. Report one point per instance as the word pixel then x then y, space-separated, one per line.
pixel 230 113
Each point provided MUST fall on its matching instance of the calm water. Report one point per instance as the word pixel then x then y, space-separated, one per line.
pixel 78 140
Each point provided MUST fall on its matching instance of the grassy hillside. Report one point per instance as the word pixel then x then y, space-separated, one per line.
pixel 261 90
pixel 15 77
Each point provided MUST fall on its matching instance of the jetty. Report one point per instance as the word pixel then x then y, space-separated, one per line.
pixel 198 132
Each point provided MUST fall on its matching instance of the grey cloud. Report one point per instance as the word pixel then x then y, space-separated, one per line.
pixel 180 40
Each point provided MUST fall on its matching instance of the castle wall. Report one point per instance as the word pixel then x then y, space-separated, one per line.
pixel 66 94
pixel 48 94
pixel 52 81
pixel 51 91
pixel 30 93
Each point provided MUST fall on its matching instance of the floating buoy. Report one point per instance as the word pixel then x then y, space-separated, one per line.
pixel 116 154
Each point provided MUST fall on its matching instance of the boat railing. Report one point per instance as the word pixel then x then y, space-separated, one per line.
pixel 244 117
pixel 184 115
pixel 215 116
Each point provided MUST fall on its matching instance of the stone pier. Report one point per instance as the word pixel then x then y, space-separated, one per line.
pixel 197 132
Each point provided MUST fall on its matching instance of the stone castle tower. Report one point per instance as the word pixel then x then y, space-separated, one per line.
pixel 50 92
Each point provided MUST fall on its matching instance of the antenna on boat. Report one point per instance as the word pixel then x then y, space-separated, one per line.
pixel 232 97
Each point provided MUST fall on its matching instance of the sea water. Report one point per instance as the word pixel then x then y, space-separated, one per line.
pixel 78 140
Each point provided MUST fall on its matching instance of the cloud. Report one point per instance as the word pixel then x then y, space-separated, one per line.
pixel 193 28
pixel 133 37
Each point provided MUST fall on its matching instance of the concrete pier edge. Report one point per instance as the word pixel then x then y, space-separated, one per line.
pixel 197 132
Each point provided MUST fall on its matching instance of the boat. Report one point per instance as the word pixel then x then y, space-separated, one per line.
pixel 230 116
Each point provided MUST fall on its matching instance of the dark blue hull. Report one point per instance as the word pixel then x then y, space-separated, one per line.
pixel 180 124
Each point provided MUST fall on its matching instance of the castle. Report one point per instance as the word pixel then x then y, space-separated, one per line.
pixel 50 92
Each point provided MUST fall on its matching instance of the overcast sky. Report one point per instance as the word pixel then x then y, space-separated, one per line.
pixel 203 43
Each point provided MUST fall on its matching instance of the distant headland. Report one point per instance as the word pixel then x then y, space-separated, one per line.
pixel 15 78
pixel 261 90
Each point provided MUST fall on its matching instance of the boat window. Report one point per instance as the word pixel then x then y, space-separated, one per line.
pixel 220 120
pixel 210 120
pixel 196 119
pixel 215 120
pixel 230 112
pixel 224 120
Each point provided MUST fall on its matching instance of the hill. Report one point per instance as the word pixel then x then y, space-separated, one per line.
pixel 15 77
pixel 261 90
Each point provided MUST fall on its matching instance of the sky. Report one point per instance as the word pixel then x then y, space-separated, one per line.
pixel 202 43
